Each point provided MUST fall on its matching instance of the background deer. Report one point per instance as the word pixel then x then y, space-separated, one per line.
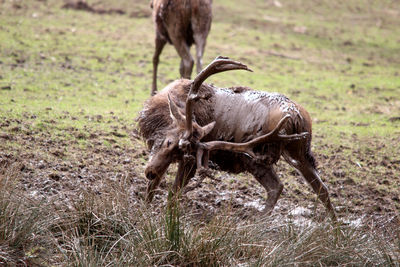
pixel 181 23
pixel 237 129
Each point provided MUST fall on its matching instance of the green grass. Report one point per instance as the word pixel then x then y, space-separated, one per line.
pixel 73 82
pixel 73 61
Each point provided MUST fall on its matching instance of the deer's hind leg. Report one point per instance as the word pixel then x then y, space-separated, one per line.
pixel 268 178
pixel 299 156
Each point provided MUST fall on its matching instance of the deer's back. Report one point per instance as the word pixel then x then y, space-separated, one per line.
pixel 174 20
pixel 242 114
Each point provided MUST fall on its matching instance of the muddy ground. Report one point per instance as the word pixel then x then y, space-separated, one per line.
pixel 60 172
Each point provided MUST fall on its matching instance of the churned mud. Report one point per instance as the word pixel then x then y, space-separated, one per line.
pixel 60 171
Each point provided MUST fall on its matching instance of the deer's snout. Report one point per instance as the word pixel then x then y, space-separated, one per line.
pixel 150 174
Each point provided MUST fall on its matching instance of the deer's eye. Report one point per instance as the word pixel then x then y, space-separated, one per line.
pixel 169 143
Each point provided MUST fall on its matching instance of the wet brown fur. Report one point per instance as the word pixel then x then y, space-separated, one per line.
pixel 155 117
pixel 241 114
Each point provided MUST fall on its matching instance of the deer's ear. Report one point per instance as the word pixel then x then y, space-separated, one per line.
pixel 175 113
pixel 207 128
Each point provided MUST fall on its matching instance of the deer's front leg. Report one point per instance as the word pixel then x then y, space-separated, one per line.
pixel 186 170
pixel 152 185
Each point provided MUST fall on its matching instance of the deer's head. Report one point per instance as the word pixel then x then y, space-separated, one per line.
pixel 184 134
pixel 172 147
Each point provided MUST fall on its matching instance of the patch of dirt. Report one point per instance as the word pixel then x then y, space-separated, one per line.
pixel 83 6
pixel 137 12
pixel 60 171
pixel 140 13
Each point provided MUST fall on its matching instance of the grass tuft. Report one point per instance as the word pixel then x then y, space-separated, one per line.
pixel 105 230
pixel 71 167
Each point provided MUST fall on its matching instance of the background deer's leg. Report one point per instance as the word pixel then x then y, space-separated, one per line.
pixel 187 61
pixel 200 42
pixel 201 25
pixel 160 43
pixel 268 178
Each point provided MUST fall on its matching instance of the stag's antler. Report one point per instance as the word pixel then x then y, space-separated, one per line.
pixel 219 64
pixel 273 136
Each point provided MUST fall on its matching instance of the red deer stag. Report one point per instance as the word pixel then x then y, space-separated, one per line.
pixel 236 129
pixel 181 23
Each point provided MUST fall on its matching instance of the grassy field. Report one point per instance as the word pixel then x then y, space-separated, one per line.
pixel 72 165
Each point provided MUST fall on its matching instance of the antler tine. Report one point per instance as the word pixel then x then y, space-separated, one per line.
pixel 248 146
pixel 219 64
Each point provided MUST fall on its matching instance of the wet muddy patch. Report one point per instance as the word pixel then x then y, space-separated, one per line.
pixel 84 6
pixel 59 171
pixel 134 10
